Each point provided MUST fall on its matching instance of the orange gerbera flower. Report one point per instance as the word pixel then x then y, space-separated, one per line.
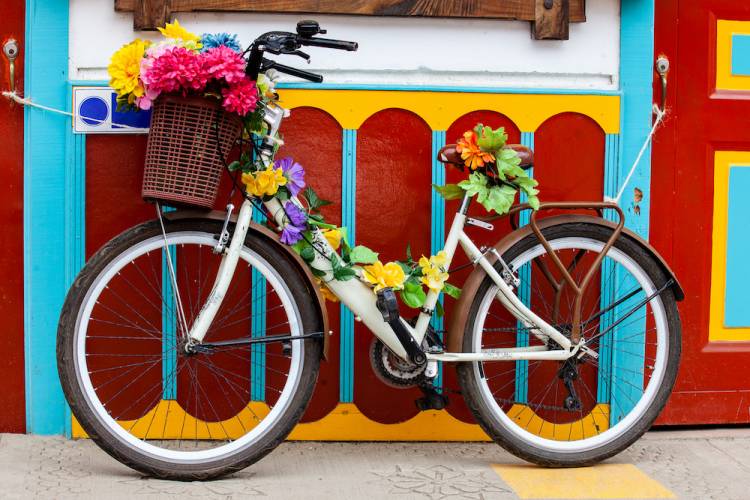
pixel 471 153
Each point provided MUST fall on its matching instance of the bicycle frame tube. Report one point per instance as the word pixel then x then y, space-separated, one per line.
pixel 360 299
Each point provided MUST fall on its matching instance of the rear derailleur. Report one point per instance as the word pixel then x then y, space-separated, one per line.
pixel 568 374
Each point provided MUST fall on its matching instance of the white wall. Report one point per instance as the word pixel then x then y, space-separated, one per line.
pixel 407 51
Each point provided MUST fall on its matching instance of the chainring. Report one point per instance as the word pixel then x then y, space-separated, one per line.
pixel 396 372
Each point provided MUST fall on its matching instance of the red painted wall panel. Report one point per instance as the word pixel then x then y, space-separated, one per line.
pixel 314 139
pixel 457 407
pixel 394 159
pixel 12 402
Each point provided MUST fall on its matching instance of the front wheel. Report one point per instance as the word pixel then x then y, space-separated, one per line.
pixel 180 413
pixel 583 410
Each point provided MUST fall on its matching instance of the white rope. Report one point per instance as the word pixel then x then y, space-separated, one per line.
pixel 28 102
pixel 660 113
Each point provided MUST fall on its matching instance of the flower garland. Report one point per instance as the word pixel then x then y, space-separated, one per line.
pixel 212 65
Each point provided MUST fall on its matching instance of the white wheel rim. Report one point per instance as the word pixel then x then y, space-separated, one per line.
pixel 175 456
pixel 660 322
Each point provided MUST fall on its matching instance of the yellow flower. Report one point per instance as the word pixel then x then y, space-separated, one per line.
pixel 177 32
pixel 333 236
pixel 326 292
pixel 433 271
pixel 265 182
pixel 125 69
pixel 385 276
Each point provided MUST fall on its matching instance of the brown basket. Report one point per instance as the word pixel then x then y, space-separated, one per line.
pixel 183 162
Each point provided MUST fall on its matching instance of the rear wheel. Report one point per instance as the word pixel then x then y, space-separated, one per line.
pixel 152 404
pixel 580 411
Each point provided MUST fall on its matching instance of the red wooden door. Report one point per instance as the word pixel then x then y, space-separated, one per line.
pixel 701 163
pixel 12 416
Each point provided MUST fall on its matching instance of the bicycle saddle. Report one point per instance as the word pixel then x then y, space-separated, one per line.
pixel 450 156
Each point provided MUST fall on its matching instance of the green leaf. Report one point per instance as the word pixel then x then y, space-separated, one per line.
pixel 451 290
pixel 346 253
pixel 439 309
pixel 344 235
pixel 449 191
pixel 476 184
pixel 405 267
pixel 300 245
pixel 235 165
pixel 344 273
pixel 533 202
pixel 307 254
pixel 317 272
pixel 490 140
pixel 282 194
pixel 413 295
pixel 313 200
pixel 499 199
pixel 362 255
pixel 408 252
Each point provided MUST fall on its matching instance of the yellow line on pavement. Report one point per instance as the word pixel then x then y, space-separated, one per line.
pixel 600 481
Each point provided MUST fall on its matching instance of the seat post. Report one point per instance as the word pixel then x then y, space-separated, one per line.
pixel 465 203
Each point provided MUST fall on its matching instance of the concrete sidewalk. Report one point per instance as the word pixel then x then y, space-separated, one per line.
pixel 666 464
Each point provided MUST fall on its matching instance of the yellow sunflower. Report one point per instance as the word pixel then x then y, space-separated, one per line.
pixel 125 69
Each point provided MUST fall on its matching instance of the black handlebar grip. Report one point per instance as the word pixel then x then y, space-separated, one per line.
pixel 300 73
pixel 329 44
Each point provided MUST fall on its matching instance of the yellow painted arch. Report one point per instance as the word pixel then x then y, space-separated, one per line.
pixel 440 109
pixel 168 420
pixel 596 422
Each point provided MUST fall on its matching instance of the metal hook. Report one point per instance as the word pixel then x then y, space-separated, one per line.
pixel 662 67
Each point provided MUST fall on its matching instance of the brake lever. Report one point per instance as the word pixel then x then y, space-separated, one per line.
pixel 303 55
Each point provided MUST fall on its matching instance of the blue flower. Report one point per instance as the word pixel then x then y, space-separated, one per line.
pixel 213 40
pixel 297 223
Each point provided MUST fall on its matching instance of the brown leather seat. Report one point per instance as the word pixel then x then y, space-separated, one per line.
pixel 449 155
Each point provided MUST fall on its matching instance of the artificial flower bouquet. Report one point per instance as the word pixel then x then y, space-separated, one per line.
pixel 210 65
pixel 495 173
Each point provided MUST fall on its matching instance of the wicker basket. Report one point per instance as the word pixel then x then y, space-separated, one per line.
pixel 183 161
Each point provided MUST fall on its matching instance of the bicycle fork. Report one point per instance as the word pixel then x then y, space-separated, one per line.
pixel 223 277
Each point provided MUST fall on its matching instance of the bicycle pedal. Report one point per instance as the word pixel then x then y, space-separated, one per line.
pixel 432 399
pixel 432 402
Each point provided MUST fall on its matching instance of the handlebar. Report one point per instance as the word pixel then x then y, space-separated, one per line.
pixel 281 42
pixel 329 44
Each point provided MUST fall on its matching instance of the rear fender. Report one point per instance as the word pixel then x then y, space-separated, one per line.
pixel 460 313
pixel 294 260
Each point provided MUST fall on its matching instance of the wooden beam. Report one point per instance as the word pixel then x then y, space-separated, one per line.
pixel 149 14
pixel 551 20
pixel 524 10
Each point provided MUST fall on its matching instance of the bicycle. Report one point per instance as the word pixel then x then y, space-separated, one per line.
pixel 566 336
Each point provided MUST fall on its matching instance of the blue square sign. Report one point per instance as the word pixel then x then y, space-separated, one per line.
pixel 95 110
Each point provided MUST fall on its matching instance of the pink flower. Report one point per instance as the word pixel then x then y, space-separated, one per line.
pixel 223 62
pixel 175 69
pixel 147 99
pixel 241 97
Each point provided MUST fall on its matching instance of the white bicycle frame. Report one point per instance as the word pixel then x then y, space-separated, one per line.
pixel 361 300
